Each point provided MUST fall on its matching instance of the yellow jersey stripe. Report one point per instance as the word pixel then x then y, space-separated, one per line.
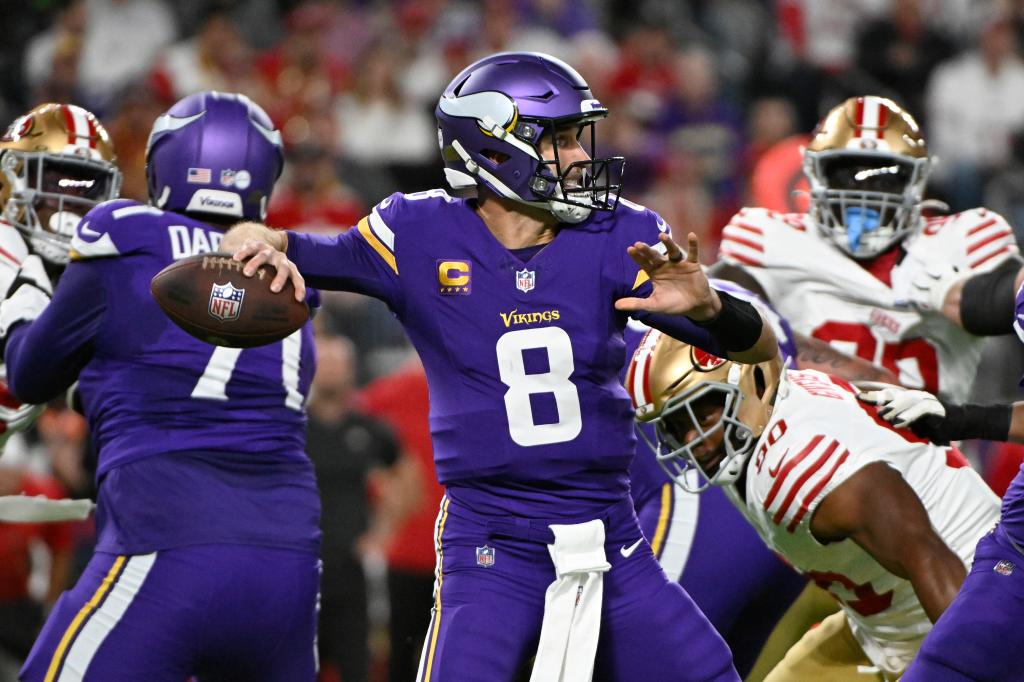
pixel 641 277
pixel 82 616
pixel 437 602
pixel 371 239
pixel 666 510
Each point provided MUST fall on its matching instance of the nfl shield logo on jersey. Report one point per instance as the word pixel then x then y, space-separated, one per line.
pixel 485 556
pixel 1004 567
pixel 526 280
pixel 226 302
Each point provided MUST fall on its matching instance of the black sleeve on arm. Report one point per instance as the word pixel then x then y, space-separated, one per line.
pixel 737 326
pixel 987 300
pixel 987 422
pixel 682 329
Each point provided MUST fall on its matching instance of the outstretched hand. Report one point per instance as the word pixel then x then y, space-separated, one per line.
pixel 680 285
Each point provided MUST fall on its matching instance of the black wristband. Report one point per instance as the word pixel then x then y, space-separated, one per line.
pixel 987 422
pixel 987 301
pixel 737 326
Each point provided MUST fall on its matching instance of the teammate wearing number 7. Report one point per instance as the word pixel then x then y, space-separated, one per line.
pixel 516 299
pixel 206 561
pixel 865 269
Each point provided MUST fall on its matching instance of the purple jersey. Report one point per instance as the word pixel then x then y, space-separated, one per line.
pixel 522 358
pixel 232 419
pixel 1012 517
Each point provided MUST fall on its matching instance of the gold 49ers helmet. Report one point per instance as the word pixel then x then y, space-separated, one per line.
pixel 867 164
pixel 56 162
pixel 675 387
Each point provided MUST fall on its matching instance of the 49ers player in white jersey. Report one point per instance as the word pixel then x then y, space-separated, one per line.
pixel 864 270
pixel 885 521
pixel 56 162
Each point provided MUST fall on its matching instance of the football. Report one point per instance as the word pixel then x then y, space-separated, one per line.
pixel 208 296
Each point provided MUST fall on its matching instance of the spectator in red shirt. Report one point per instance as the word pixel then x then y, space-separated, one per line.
pixel 400 399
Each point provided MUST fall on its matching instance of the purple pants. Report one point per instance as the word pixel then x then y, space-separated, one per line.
pixel 979 637
pixel 696 538
pixel 219 612
pixel 489 604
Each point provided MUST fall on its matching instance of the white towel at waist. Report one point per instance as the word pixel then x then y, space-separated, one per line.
pixel 572 604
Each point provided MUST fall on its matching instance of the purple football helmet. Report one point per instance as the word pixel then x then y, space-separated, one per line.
pixel 491 118
pixel 214 153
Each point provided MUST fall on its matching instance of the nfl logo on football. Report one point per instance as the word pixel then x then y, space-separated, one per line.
pixel 485 556
pixel 226 302
pixel 526 280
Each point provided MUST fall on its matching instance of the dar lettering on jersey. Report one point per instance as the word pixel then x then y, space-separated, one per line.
pixel 150 390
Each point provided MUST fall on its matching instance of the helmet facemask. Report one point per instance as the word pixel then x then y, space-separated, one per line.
pixel 865 202
pixel 867 164
pixel 573 191
pixel 49 195
pixel 683 413
pixel 703 408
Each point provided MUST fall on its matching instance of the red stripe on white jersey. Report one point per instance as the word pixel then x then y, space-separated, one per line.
pixel 745 226
pixel 809 498
pixel 997 252
pixel 795 488
pixel 978 228
pixel 740 257
pixel 988 240
pixel 7 254
pixel 777 486
pixel 741 240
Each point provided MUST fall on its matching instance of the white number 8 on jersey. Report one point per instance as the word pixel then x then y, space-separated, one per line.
pixel 555 381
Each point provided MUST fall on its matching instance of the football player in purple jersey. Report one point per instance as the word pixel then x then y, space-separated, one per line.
pixel 206 560
pixel 979 636
pixel 516 299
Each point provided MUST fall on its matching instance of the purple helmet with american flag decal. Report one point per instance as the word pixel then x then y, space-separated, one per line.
pixel 491 119
pixel 214 153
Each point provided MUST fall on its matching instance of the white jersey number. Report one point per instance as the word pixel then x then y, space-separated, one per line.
pixel 511 367
pixel 214 382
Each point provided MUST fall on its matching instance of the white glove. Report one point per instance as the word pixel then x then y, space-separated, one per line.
pixel 930 284
pixel 27 297
pixel 900 406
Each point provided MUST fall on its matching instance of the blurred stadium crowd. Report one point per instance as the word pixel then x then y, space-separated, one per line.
pixel 710 102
